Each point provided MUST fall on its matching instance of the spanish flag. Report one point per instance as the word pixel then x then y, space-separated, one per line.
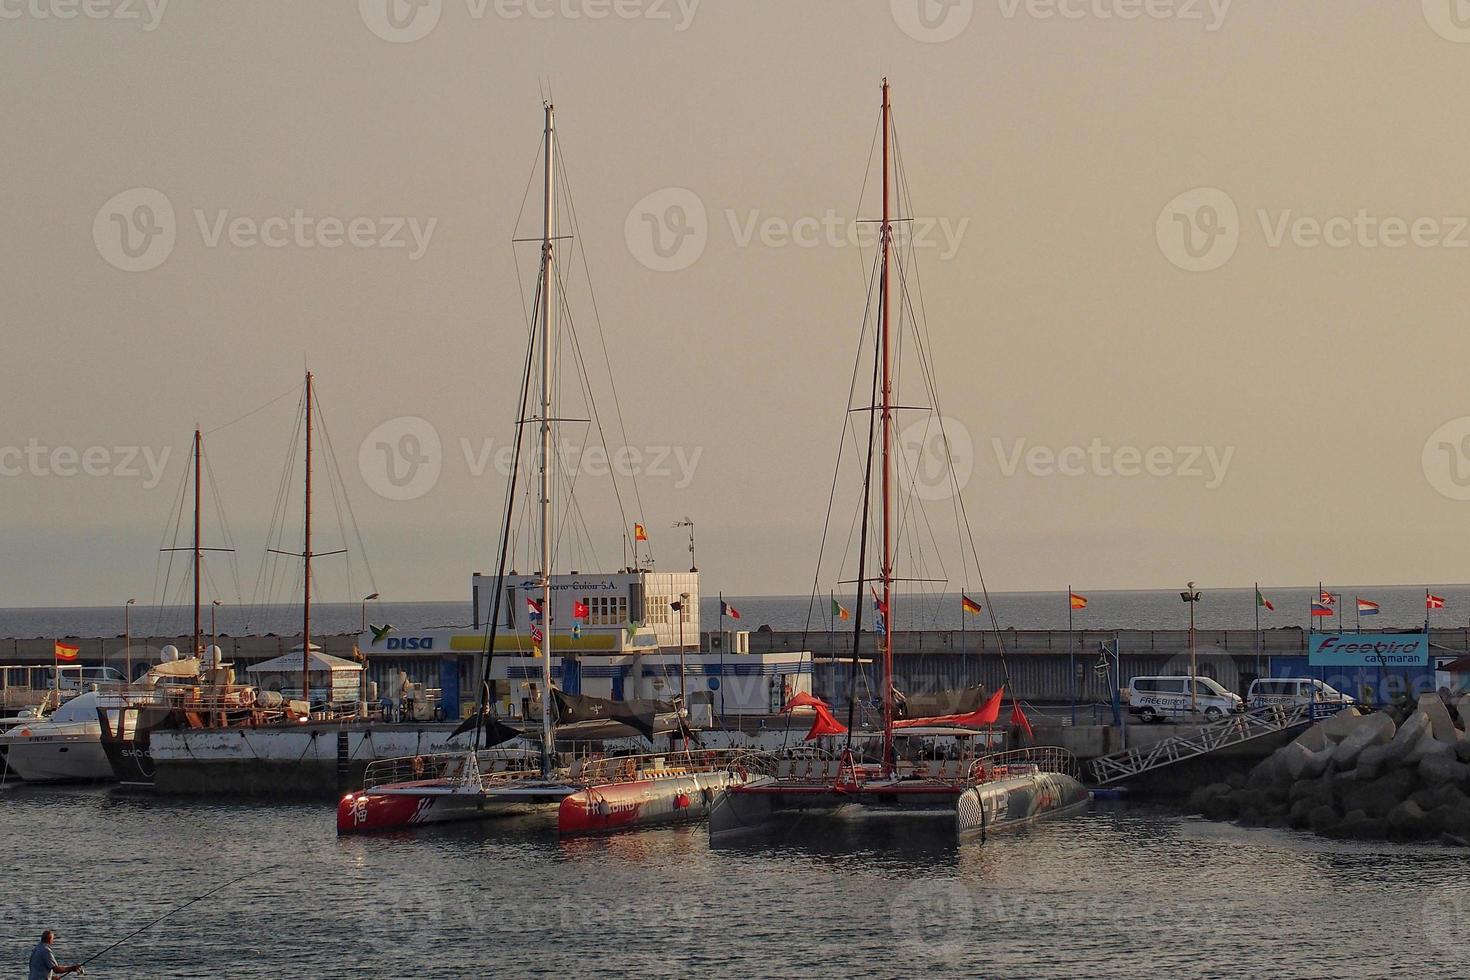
pixel 969 605
pixel 66 651
pixel 1078 601
pixel 640 533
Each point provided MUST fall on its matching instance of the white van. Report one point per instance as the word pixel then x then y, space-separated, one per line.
pixel 1157 698
pixel 1294 691
pixel 83 678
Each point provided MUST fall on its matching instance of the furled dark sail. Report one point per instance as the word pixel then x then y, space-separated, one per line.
pixel 494 731
pixel 639 714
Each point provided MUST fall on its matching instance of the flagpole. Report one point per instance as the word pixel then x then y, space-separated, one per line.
pixel 1072 655
pixel 1357 615
pixel 722 655
pixel 1257 600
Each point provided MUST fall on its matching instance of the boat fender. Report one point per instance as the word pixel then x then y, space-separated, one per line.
pixel 418 765
pixel 604 808
pixel 681 802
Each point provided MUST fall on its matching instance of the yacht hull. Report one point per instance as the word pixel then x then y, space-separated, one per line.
pixel 71 757
pixel 405 806
pixel 1016 801
pixel 636 803
pixel 767 801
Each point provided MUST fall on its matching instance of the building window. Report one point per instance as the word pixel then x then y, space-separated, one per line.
pixel 607 610
pixel 656 610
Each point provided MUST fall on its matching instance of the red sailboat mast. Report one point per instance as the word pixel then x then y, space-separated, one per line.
pixel 885 300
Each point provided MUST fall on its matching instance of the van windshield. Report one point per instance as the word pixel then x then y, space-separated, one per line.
pixel 1207 686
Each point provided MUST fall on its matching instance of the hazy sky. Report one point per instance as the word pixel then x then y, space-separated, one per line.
pixel 1304 376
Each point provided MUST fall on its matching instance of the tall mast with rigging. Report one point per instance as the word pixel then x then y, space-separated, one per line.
pixel 547 306
pixel 198 543
pixel 306 564
pixel 885 326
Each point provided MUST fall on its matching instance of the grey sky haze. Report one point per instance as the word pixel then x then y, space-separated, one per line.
pixel 1301 359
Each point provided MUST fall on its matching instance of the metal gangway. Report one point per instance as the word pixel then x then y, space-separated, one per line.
pixel 1251 725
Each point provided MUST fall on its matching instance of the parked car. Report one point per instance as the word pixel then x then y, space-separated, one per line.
pixel 82 678
pixel 1293 691
pixel 1160 698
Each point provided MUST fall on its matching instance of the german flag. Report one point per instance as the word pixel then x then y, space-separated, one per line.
pixel 969 605
pixel 66 651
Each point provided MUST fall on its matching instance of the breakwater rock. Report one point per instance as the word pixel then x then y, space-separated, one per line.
pixel 1402 773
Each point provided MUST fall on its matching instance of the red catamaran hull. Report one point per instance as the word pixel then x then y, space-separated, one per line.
pixel 642 802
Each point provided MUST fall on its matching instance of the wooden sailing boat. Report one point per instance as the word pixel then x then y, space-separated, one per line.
pixel 916 788
pixel 200 683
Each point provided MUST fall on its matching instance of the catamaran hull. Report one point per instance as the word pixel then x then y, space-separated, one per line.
pixel 643 803
pixel 1015 801
pixel 406 806
pixel 765 802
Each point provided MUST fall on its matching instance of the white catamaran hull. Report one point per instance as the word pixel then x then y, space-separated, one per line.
pixel 1015 801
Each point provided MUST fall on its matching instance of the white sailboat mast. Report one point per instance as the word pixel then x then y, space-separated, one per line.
pixel 547 306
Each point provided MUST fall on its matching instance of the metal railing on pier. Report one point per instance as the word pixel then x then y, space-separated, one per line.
pixel 1232 731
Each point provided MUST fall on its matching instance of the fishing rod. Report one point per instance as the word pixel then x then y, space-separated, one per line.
pixel 199 898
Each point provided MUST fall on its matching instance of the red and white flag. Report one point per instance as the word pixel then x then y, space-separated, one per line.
pixel 1433 601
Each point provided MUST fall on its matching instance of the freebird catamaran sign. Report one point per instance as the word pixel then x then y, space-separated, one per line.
pixel 1369 650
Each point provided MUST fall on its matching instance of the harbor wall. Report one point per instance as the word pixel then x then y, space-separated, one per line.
pixel 1043 666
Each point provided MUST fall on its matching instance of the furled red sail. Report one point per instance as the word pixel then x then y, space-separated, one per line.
pixel 987 714
pixel 824 724
pixel 804 700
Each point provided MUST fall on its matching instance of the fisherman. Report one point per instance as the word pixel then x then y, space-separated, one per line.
pixel 43 960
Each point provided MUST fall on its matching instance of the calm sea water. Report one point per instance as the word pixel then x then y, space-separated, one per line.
pixel 1122 891
pixel 1402 607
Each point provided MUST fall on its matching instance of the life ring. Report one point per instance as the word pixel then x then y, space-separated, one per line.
pixel 418 765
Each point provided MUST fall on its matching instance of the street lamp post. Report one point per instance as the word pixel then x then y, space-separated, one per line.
pixel 365 600
pixel 128 638
pixel 1190 595
pixel 683 692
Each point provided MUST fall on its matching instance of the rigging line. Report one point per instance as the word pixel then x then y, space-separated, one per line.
pixel 862 194
pixel 339 487
pixel 253 411
pixel 223 521
pixel 270 573
pixel 837 466
pixel 959 499
pixel 492 624
pixel 857 614
pixel 515 255
pixel 576 223
pixel 165 546
pixel 266 575
pixel 596 415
